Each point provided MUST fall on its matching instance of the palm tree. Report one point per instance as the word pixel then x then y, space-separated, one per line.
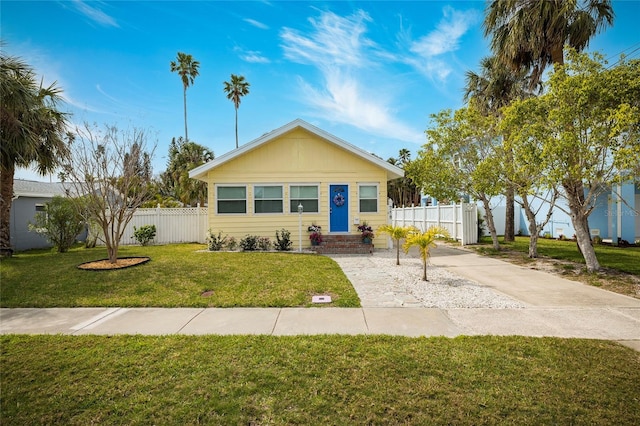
pixel 396 233
pixel 492 89
pixel 532 33
pixel 235 90
pixel 425 242
pixel 33 132
pixel 187 68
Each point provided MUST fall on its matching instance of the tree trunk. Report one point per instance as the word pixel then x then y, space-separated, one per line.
pixel 424 270
pixel 398 252
pixel 490 223
pixel 186 135
pixel 236 127
pixel 6 198
pixel 509 226
pixel 579 219
pixel 533 228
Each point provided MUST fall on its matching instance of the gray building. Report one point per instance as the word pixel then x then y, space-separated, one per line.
pixel 30 197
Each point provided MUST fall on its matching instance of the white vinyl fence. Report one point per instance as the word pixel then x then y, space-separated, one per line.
pixel 175 225
pixel 461 220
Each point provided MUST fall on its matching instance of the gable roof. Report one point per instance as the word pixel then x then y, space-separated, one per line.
pixel 201 171
pixel 34 189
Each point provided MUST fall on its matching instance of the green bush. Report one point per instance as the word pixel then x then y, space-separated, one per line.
pixel 60 223
pixel 144 234
pixel 249 243
pixel 232 244
pixel 264 243
pixel 216 242
pixel 283 240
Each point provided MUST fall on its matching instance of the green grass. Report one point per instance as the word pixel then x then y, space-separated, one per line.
pixel 176 276
pixel 623 259
pixel 338 380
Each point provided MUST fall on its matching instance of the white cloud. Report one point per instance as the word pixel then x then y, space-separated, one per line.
pixel 256 24
pixel 94 14
pixel 444 39
pixel 337 47
pixel 252 56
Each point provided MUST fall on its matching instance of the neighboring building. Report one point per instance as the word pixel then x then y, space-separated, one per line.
pixel 30 197
pixel 616 215
pixel 257 188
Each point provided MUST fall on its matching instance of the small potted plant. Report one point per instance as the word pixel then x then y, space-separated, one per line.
pixel 316 234
pixel 366 232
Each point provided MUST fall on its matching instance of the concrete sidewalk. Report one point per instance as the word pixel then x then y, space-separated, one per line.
pixel 554 307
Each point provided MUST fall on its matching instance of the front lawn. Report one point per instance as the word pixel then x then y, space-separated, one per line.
pixel 314 380
pixel 176 276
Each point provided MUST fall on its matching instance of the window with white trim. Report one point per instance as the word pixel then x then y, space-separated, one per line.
pixel 267 199
pixel 231 199
pixel 368 198
pixel 307 195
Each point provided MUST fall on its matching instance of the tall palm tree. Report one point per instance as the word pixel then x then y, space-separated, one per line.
pixel 187 68
pixel 532 33
pixel 493 88
pixel 235 90
pixel 32 133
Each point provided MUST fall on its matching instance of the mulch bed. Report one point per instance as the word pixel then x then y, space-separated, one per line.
pixel 121 263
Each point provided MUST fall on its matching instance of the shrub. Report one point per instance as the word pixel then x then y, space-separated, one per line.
pixel 60 223
pixel 144 234
pixel 249 243
pixel 264 243
pixel 283 240
pixel 597 240
pixel 216 242
pixel 232 244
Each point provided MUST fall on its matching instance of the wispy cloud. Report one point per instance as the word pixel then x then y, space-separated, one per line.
pixel 339 48
pixel 94 13
pixel 256 24
pixel 252 56
pixel 444 39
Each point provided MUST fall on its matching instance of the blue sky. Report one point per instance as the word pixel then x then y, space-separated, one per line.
pixel 370 73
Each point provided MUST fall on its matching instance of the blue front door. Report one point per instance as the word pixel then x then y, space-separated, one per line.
pixel 338 208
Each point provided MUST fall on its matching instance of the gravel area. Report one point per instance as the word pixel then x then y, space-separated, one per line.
pixel 380 282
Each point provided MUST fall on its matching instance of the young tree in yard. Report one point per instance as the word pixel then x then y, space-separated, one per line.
pixel 184 156
pixel 60 223
pixel 425 241
pixel 588 125
pixel 396 233
pixel 32 132
pixel 235 90
pixel 112 168
pixel 463 157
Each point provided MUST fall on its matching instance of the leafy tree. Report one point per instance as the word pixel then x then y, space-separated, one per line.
pixel 533 33
pixel 403 191
pixel 112 168
pixel 462 157
pixel 60 223
pixel 396 233
pixel 187 68
pixel 235 89
pixel 490 90
pixel 588 127
pixel 32 132
pixel 425 241
pixel 185 156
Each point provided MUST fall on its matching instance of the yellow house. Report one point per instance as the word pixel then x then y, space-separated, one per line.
pixel 257 189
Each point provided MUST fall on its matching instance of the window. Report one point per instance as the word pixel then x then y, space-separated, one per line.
pixel 307 195
pixel 267 199
pixel 40 208
pixel 232 199
pixel 368 197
